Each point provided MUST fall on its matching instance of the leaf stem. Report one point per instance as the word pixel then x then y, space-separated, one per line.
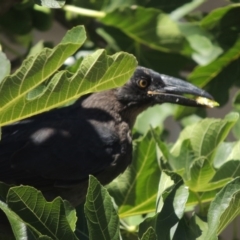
pixel 84 11
pixel 127 227
pixel 201 209
pixel 185 9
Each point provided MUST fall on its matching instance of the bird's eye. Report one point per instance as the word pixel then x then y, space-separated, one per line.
pixel 142 83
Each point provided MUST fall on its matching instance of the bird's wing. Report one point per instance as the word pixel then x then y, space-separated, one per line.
pixel 56 147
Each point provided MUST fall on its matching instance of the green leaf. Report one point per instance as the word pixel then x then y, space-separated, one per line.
pixel 226 151
pixel 223 209
pixel 204 74
pixel 149 235
pixel 153 117
pixel 202 225
pixel 171 212
pixel 189 229
pixel 228 171
pixel 236 106
pixel 156 29
pixel 47 218
pixel 205 136
pixel 215 16
pixel 4 66
pixel 159 4
pixel 71 215
pixel 185 8
pixel 135 191
pixel 50 3
pixel 81 227
pixel 44 238
pixel 202 42
pixel 183 111
pixel 201 172
pixel 17 225
pixel 165 183
pixel 190 120
pixel 38 47
pixel 35 70
pixel 195 149
pixel 236 101
pixel 160 61
pixel 166 221
pixel 97 72
pixel 228 77
pixel 102 219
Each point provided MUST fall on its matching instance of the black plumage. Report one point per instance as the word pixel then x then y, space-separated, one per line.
pixel 57 150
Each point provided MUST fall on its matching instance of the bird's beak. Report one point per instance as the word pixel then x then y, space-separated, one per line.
pixel 174 88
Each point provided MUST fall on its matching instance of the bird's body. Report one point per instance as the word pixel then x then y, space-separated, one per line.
pixel 56 151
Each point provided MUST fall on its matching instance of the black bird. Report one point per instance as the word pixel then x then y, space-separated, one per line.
pixel 57 150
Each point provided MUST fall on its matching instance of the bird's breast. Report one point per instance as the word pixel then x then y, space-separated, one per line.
pixel 117 139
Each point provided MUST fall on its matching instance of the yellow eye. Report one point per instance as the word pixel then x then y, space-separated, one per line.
pixel 142 83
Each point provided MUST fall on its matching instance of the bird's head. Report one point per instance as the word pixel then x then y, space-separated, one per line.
pixel 147 87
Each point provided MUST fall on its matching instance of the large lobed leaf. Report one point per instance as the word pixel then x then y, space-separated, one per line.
pixel 205 50
pixel 35 70
pixel 135 191
pixel 97 72
pixel 204 74
pixel 102 218
pixel 31 215
pixel 47 218
pixel 166 221
pixel 223 209
pixel 156 29
pixel 195 150
pixel 213 18
pixel 18 226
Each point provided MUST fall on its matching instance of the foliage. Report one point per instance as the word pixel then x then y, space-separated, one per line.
pixel 199 173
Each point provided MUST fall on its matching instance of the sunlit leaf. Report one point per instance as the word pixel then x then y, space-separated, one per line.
pixel 226 151
pixel 205 135
pixel 205 49
pixel 97 72
pixel 135 191
pixel 50 3
pixel 47 218
pixel 223 209
pixel 4 66
pixel 195 150
pixel 35 70
pixel 153 117
pixel 204 74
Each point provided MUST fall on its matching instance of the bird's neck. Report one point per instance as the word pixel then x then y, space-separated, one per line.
pixel 108 104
